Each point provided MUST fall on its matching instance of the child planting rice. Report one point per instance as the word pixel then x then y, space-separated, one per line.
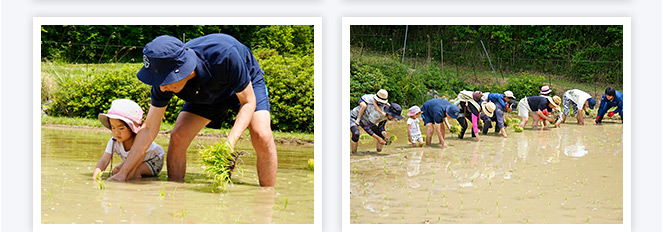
pixel 124 120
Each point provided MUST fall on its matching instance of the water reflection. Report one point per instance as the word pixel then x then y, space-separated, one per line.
pixel 413 168
pixel 576 147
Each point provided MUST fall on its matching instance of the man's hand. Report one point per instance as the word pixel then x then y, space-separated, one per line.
pixel 381 141
pixel 119 177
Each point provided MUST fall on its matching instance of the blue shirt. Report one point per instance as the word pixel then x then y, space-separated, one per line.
pixel 617 101
pixel 225 67
pixel 497 98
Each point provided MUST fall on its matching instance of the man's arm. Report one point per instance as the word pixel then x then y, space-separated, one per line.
pixel 362 107
pixel 148 132
pixel 247 101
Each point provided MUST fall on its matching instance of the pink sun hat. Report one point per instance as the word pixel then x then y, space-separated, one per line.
pixel 125 110
pixel 413 111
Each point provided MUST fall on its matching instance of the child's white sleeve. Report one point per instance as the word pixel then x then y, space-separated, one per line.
pixel 109 146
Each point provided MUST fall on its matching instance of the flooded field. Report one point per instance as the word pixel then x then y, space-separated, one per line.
pixel 70 195
pixel 572 174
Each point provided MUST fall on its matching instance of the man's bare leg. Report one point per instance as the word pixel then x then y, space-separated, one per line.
pixel 263 142
pixel 186 128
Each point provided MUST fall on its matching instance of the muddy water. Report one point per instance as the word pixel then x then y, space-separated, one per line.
pixel 69 195
pixel 572 174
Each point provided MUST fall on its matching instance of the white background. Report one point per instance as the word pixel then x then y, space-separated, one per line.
pixel 16 82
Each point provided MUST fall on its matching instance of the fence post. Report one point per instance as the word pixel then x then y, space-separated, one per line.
pixel 442 54
pixel 490 62
pixel 404 43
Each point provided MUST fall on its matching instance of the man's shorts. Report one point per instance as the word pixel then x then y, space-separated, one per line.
pixel 220 110
pixel 429 118
pixel 523 108
pixel 569 104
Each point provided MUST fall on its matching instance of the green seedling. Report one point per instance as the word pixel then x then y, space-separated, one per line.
pixel 310 164
pixel 456 129
pixel 364 136
pixel 587 221
pixel 517 128
pixel 392 139
pixel 218 162
pixel 162 193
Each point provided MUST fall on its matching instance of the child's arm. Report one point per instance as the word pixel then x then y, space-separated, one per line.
pixel 375 103
pixel 361 112
pixel 102 164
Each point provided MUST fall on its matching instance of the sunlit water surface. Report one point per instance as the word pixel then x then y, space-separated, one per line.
pixel 70 195
pixel 572 174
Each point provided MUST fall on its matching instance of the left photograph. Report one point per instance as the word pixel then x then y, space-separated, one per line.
pixel 176 124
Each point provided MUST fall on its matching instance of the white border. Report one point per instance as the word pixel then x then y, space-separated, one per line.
pixel 348 21
pixel 36 139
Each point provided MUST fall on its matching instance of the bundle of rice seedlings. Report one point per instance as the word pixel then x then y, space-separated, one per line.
pixel 517 128
pixel 455 129
pixel 218 162
pixel 391 139
pixel 364 136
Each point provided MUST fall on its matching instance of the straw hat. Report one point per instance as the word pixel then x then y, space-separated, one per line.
pixel 488 108
pixel 381 96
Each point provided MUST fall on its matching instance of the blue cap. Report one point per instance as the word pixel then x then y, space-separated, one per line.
pixel 592 102
pixel 166 61
pixel 394 109
pixel 453 111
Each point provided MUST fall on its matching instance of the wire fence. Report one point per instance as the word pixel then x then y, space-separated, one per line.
pixel 471 60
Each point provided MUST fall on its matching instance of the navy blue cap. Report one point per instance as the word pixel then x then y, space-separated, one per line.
pixel 453 111
pixel 166 61
pixel 592 102
pixel 394 110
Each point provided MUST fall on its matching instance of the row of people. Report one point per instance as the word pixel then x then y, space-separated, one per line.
pixel 475 106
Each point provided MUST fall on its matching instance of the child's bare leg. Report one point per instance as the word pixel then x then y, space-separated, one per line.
pixel 142 170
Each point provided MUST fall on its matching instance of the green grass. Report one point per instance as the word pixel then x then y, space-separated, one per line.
pixel 165 126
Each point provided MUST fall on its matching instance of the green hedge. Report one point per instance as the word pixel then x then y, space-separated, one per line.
pixel 413 87
pixel 86 94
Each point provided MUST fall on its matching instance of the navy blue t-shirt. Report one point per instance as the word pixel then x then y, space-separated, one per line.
pixel 538 103
pixel 434 110
pixel 225 66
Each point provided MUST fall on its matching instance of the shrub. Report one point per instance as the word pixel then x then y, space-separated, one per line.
pixel 86 94
pixel 525 85
pixel 290 86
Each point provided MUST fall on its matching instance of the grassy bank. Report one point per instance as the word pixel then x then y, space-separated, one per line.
pixel 279 137
pixel 432 76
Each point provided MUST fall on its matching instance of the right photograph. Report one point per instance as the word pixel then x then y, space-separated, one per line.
pixel 488 124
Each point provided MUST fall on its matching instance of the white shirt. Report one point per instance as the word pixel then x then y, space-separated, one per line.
pixel 577 96
pixel 118 148
pixel 414 126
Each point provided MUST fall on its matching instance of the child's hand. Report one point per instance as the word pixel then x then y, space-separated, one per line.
pixel 357 122
pixel 96 174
